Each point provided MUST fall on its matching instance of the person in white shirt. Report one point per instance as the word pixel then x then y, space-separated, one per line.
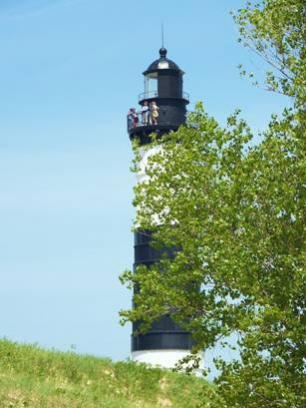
pixel 145 113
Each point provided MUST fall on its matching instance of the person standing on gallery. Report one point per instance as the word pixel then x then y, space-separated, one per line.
pixel 145 113
pixel 154 112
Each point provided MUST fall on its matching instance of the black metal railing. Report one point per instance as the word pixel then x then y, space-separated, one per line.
pixel 154 94
pixel 147 95
pixel 137 119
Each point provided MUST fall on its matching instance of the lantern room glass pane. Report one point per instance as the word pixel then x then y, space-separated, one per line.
pixel 150 85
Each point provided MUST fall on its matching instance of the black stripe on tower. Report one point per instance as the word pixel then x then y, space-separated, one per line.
pixel 164 334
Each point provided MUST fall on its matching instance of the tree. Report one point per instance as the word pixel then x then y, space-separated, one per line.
pixel 236 213
pixel 276 31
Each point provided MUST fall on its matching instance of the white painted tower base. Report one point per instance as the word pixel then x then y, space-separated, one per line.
pixel 165 358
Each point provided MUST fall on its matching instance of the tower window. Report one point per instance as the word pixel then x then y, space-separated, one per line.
pixel 163 65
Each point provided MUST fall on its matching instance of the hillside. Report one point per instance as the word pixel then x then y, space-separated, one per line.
pixel 37 378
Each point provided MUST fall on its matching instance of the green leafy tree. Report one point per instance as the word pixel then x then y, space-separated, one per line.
pixel 236 213
pixel 276 31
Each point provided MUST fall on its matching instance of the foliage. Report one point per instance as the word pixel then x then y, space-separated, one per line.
pixel 36 378
pixel 276 31
pixel 237 214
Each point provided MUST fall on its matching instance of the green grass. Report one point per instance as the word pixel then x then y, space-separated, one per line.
pixel 37 378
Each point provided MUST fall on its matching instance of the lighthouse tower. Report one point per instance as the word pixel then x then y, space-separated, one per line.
pixel 165 343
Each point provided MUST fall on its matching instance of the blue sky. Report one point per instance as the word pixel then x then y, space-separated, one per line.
pixel 69 71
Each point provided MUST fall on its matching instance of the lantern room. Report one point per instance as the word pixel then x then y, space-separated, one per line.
pixel 163 93
pixel 163 78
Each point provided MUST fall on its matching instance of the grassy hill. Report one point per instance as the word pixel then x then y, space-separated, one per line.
pixel 37 378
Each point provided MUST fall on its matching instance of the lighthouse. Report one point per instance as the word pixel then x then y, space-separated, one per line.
pixel 165 343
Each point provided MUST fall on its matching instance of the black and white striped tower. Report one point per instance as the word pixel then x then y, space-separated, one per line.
pixel 166 342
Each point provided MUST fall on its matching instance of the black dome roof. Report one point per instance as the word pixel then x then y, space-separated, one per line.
pixel 162 63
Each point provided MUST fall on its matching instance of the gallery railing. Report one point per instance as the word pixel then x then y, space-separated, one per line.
pixel 154 94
